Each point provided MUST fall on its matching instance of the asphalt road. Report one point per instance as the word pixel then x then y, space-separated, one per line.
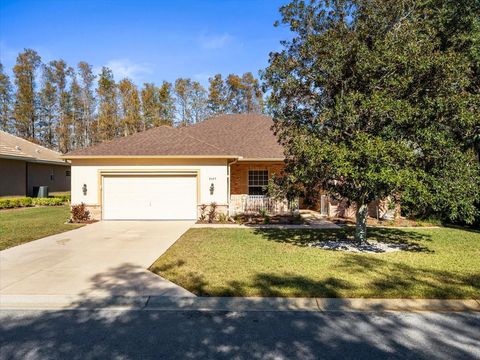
pixel 156 334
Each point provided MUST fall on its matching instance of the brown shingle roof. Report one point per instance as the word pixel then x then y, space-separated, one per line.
pixel 13 147
pixel 244 135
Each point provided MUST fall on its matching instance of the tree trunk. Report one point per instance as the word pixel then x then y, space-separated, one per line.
pixel 361 223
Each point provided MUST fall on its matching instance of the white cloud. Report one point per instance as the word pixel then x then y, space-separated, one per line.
pixel 124 68
pixel 215 41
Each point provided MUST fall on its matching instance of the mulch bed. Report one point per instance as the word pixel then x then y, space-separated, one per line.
pixel 256 219
pixel 82 222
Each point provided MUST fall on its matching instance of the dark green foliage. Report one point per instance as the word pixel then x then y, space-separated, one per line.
pixel 375 98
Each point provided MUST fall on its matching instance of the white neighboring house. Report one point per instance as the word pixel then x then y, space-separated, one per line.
pixel 167 173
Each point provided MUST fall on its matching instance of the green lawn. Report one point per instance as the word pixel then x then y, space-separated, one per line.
pixel 18 226
pixel 272 262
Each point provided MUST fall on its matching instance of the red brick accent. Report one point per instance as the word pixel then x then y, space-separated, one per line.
pixel 239 174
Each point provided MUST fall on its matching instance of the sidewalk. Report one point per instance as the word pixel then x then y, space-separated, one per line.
pixel 53 302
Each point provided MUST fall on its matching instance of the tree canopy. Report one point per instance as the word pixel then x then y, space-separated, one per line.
pixel 374 98
pixel 66 108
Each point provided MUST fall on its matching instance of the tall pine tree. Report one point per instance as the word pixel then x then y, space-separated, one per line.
pixel 61 73
pixel 107 127
pixel 78 119
pixel 166 105
pixel 130 118
pixel 217 97
pixel 87 79
pixel 48 112
pixel 5 100
pixel 25 110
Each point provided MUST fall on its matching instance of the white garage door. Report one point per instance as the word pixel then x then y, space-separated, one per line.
pixel 149 198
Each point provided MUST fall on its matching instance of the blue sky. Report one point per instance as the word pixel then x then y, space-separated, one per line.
pixel 145 40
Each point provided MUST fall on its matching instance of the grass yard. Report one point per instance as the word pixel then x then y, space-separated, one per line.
pixel 275 262
pixel 18 226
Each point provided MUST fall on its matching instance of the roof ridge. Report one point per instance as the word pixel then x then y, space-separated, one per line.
pixel 122 138
pixel 204 142
pixel 247 139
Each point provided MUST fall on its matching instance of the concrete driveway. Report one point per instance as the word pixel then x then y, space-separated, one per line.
pixel 108 258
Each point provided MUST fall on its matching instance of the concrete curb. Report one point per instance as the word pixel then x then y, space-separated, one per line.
pixel 270 226
pixel 59 302
pixel 326 225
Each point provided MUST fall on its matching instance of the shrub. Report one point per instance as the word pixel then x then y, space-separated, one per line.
pixel 266 220
pixel 5 204
pixel 223 218
pixel 15 202
pixel 65 197
pixel 79 213
pixel 25 201
pixel 47 201
pixel 10 203
pixel 212 213
pixel 203 212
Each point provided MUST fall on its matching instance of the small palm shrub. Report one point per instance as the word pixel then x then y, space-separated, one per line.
pixel 203 212
pixel 212 213
pixel 222 218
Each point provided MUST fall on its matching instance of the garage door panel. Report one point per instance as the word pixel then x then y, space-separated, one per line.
pixel 149 197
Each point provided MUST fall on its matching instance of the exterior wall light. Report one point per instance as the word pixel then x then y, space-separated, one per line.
pixel 212 189
pixel 84 189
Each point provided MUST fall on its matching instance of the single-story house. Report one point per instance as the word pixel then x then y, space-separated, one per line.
pixel 169 173
pixel 25 165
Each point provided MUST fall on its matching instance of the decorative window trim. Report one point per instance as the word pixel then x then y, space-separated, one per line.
pixel 257 182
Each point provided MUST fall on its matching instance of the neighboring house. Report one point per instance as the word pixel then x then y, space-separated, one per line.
pixel 25 165
pixel 168 173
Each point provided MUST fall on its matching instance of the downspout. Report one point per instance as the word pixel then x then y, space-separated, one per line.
pixel 228 182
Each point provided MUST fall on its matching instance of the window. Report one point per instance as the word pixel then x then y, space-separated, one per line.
pixel 52 176
pixel 257 182
pixel 67 172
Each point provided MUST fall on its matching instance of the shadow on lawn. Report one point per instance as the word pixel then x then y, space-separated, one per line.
pixel 155 334
pixel 413 241
pixel 383 279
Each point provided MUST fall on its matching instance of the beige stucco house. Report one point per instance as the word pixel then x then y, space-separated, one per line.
pixel 168 173
pixel 25 165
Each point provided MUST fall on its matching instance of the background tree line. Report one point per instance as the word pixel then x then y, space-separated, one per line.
pixel 67 108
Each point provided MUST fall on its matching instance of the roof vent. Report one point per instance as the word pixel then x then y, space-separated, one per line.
pixel 37 151
pixel 17 147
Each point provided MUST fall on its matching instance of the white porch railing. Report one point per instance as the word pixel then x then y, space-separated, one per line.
pixel 240 204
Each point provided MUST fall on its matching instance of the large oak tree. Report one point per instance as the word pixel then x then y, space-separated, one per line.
pixel 373 98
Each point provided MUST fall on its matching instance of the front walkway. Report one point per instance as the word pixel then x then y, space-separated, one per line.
pixel 108 258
